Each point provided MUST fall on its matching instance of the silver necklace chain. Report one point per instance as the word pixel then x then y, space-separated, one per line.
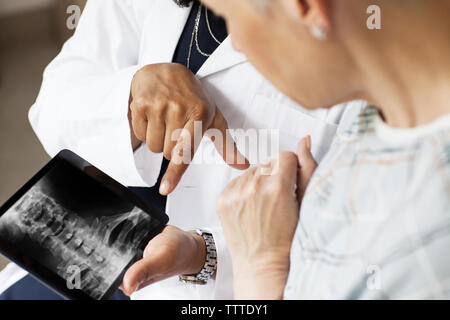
pixel 209 27
pixel 195 32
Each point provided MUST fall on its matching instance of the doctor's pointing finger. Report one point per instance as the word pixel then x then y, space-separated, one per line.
pixel 166 101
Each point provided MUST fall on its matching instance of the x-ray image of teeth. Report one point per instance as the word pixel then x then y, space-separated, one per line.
pixel 94 249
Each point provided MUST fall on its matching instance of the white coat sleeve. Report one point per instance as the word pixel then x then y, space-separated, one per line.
pixel 222 286
pixel 83 102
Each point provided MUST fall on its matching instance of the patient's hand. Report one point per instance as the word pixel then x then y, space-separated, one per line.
pixel 259 213
pixel 171 253
pixel 165 98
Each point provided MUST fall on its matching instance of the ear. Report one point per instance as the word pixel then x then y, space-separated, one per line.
pixel 313 13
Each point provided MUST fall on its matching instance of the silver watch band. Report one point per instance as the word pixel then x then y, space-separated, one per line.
pixel 210 264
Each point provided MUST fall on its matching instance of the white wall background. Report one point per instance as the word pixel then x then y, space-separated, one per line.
pixel 14 6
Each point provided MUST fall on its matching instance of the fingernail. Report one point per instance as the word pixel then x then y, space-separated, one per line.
pixel 304 150
pixel 133 287
pixel 308 142
pixel 146 253
pixel 128 289
pixel 164 188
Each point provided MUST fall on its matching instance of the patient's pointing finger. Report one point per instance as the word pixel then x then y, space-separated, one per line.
pixel 307 164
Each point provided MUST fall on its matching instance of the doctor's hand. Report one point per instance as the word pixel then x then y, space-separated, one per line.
pixel 171 253
pixel 166 98
pixel 259 212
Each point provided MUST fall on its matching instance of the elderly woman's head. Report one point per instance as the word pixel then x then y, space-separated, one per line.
pixel 322 52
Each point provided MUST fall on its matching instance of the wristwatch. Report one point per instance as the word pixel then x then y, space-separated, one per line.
pixel 210 264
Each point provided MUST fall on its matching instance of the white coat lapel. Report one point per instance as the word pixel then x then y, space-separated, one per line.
pixel 164 28
pixel 223 58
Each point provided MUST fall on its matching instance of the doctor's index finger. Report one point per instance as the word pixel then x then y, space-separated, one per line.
pixel 225 144
pixel 187 144
pixel 181 157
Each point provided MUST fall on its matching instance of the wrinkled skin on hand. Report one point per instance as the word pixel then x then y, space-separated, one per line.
pixel 259 212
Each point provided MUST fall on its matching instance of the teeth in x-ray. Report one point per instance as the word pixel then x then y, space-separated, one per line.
pixel 123 230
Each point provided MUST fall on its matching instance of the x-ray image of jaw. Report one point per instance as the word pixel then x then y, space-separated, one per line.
pixel 92 250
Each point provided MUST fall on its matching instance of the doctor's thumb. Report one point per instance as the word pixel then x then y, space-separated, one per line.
pixel 139 273
pixel 307 165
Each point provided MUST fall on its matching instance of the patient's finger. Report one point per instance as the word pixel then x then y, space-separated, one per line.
pixel 307 166
pixel 288 168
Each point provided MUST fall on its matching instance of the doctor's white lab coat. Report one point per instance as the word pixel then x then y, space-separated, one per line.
pixel 83 106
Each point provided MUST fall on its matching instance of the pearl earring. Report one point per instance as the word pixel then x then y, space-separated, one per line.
pixel 319 32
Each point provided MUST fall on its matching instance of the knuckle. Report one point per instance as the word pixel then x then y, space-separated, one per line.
pixel 140 103
pixel 288 158
pixel 145 69
pixel 276 185
pixel 157 110
pixel 178 67
pixel 278 189
pixel 251 191
pixel 199 110
pixel 257 179
pixel 250 174
pixel 177 110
